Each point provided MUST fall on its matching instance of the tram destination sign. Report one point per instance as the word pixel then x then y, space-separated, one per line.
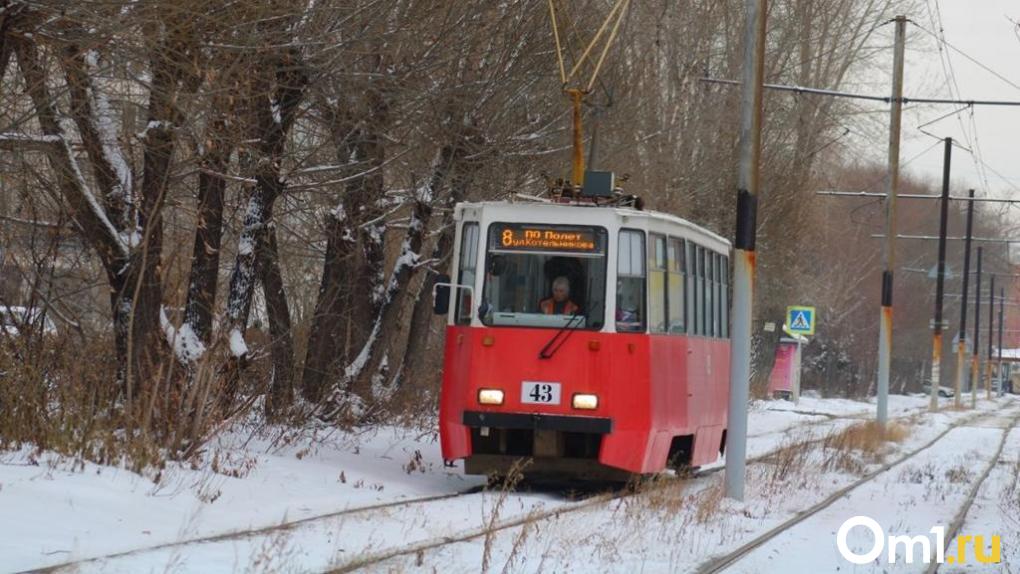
pixel 519 237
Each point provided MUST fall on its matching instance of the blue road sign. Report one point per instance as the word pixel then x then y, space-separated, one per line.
pixel 800 320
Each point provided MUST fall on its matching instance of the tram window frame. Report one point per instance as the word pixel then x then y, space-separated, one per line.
pixel 658 303
pixel 691 292
pixel 676 285
pixel 526 312
pixel 702 293
pixel 467 264
pixel 720 271
pixel 711 297
pixel 726 296
pixel 636 240
pixel 713 285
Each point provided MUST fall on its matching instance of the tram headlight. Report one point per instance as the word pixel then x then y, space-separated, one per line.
pixel 585 402
pixel 490 397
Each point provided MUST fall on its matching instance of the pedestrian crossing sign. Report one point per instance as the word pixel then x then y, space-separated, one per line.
pixel 800 320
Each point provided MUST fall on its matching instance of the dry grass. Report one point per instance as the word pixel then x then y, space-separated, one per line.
pixel 57 395
pixel 852 448
pixel 663 494
pixel 273 555
pixel 789 460
pixel 505 485
pixel 708 502
pixel 867 437
pixel 784 468
pixel 1009 504
pixel 960 474
pixel 918 474
pixel 517 549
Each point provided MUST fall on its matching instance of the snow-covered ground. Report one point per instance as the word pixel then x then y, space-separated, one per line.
pixel 221 517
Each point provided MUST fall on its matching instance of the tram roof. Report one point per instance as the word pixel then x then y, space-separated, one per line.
pixel 520 209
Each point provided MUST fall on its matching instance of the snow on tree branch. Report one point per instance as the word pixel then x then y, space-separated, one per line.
pixel 188 348
pixel 107 131
pixel 58 146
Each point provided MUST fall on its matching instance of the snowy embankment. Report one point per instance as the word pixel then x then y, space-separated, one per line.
pixel 684 525
pixel 58 512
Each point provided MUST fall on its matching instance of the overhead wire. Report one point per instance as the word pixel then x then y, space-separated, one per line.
pixel 879 200
pixel 981 165
pixel 972 59
pixel 951 82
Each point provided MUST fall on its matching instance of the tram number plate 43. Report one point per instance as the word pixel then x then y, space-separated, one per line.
pixel 540 393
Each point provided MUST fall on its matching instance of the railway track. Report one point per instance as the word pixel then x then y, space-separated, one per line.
pixel 828 418
pixel 253 532
pixel 430 544
pixel 517 521
pixel 961 515
pixel 722 562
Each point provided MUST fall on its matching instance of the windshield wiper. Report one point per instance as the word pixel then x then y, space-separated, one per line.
pixel 548 350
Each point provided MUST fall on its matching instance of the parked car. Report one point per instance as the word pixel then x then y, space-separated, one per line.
pixel 944 392
pixel 14 319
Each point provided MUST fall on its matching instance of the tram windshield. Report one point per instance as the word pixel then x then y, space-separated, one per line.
pixel 540 275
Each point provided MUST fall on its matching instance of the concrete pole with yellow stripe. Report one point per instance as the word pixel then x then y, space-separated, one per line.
pixel 743 252
pixel 889 252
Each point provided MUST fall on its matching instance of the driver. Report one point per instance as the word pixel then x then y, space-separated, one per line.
pixel 559 303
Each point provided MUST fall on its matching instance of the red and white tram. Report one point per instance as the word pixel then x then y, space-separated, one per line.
pixel 591 340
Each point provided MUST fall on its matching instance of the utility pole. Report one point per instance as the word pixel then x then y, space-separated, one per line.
pixel 743 256
pixel 940 279
pixel 961 345
pixel 889 253
pixel 991 336
pixel 975 357
pixel 1002 309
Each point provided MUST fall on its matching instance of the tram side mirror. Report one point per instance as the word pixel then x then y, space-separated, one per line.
pixel 441 295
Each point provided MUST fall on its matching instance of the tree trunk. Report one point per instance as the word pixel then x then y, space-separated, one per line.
pixel 371 368
pixel 144 287
pixel 205 261
pixel 131 259
pixel 291 81
pixel 421 341
pixel 6 45
pixel 281 390
pixel 327 321
pixel 350 292
pixel 257 248
pixel 374 365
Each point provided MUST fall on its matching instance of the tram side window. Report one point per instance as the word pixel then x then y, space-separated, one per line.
pixel 630 282
pixel 466 271
pixel 711 297
pixel 726 296
pixel 675 289
pixel 720 300
pixel 702 307
pixel 714 283
pixel 657 284
pixel 691 301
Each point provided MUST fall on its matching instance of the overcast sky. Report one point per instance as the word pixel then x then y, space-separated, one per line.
pixel 983 30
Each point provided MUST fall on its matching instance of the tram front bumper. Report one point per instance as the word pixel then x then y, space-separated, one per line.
pixel 553 445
